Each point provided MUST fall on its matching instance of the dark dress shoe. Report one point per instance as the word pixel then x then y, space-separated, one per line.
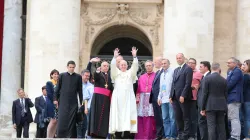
pixel 158 138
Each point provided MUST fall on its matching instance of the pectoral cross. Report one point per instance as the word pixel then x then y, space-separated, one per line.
pixel 106 85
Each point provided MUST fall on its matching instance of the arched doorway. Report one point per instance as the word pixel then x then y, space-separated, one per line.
pixel 122 37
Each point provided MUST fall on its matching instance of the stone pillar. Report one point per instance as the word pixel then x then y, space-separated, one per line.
pixel 52 40
pixel 243 30
pixel 225 31
pixel 188 29
pixel 11 58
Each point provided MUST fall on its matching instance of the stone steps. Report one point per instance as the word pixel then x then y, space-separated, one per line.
pixel 8 132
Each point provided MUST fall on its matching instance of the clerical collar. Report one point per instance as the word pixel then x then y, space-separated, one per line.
pixel 71 73
pixel 104 72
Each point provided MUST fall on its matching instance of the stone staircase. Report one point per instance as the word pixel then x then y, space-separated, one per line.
pixel 7 131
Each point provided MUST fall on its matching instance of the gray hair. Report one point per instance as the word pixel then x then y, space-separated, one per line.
pixel 235 60
pixel 166 60
pixel 215 66
pixel 84 71
pixel 149 61
pixel 18 90
pixel 181 55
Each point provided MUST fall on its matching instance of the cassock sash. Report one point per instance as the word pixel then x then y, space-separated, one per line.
pixel 103 91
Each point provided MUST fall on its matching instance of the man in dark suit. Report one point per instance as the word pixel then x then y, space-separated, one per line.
pixel 214 104
pixel 202 121
pixel 41 112
pixel 181 96
pixel 21 115
pixel 154 100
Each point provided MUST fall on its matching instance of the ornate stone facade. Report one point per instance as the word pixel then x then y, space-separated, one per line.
pixel 62 30
pixel 98 17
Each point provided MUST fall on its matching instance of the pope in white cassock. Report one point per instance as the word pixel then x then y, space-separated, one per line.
pixel 123 113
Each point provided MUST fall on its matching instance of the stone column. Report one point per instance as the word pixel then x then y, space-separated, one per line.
pixel 52 40
pixel 225 31
pixel 243 30
pixel 11 58
pixel 188 29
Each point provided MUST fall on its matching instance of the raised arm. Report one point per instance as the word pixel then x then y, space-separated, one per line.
pixel 134 67
pixel 114 70
pixel 93 60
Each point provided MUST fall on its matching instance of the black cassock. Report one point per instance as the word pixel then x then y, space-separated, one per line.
pixel 68 86
pixel 100 106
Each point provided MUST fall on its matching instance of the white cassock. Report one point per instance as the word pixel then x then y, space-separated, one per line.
pixel 123 113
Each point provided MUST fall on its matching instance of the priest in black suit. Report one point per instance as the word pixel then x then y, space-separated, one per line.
pixel 181 96
pixel 69 86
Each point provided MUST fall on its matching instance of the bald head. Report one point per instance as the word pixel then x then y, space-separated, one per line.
pixel 157 62
pixel 105 66
pixel 180 58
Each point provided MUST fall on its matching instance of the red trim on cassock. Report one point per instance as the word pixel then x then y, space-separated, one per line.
pixel 102 91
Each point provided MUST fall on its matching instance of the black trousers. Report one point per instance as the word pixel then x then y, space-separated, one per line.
pixel 23 127
pixel 182 117
pixel 41 132
pixel 202 124
pixel 158 119
pixel 122 135
pixel 194 119
pixel 216 125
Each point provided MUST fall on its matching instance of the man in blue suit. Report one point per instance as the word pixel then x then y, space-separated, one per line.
pixel 181 96
pixel 235 97
pixel 41 114
pixel 154 98
pixel 21 115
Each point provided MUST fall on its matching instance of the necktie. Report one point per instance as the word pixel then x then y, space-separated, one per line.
pixel 46 99
pixel 179 70
pixel 22 105
pixel 202 77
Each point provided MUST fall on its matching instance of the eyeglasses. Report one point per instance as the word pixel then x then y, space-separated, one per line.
pixel 191 63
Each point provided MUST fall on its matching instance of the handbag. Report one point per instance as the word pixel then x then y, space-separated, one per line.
pixel 80 114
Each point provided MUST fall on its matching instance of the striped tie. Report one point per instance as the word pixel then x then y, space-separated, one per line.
pixel 22 105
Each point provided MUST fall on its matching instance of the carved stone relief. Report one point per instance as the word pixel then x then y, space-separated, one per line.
pixel 160 10
pixel 123 11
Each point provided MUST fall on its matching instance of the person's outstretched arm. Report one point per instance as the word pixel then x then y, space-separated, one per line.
pixel 114 70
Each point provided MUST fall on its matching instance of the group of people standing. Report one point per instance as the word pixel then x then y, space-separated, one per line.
pixel 183 103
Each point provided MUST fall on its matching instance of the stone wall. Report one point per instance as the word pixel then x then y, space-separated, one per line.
pixel 243 30
pixel 225 31
pixel 189 29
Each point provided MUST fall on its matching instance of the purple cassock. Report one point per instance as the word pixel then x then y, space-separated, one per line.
pixel 146 122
